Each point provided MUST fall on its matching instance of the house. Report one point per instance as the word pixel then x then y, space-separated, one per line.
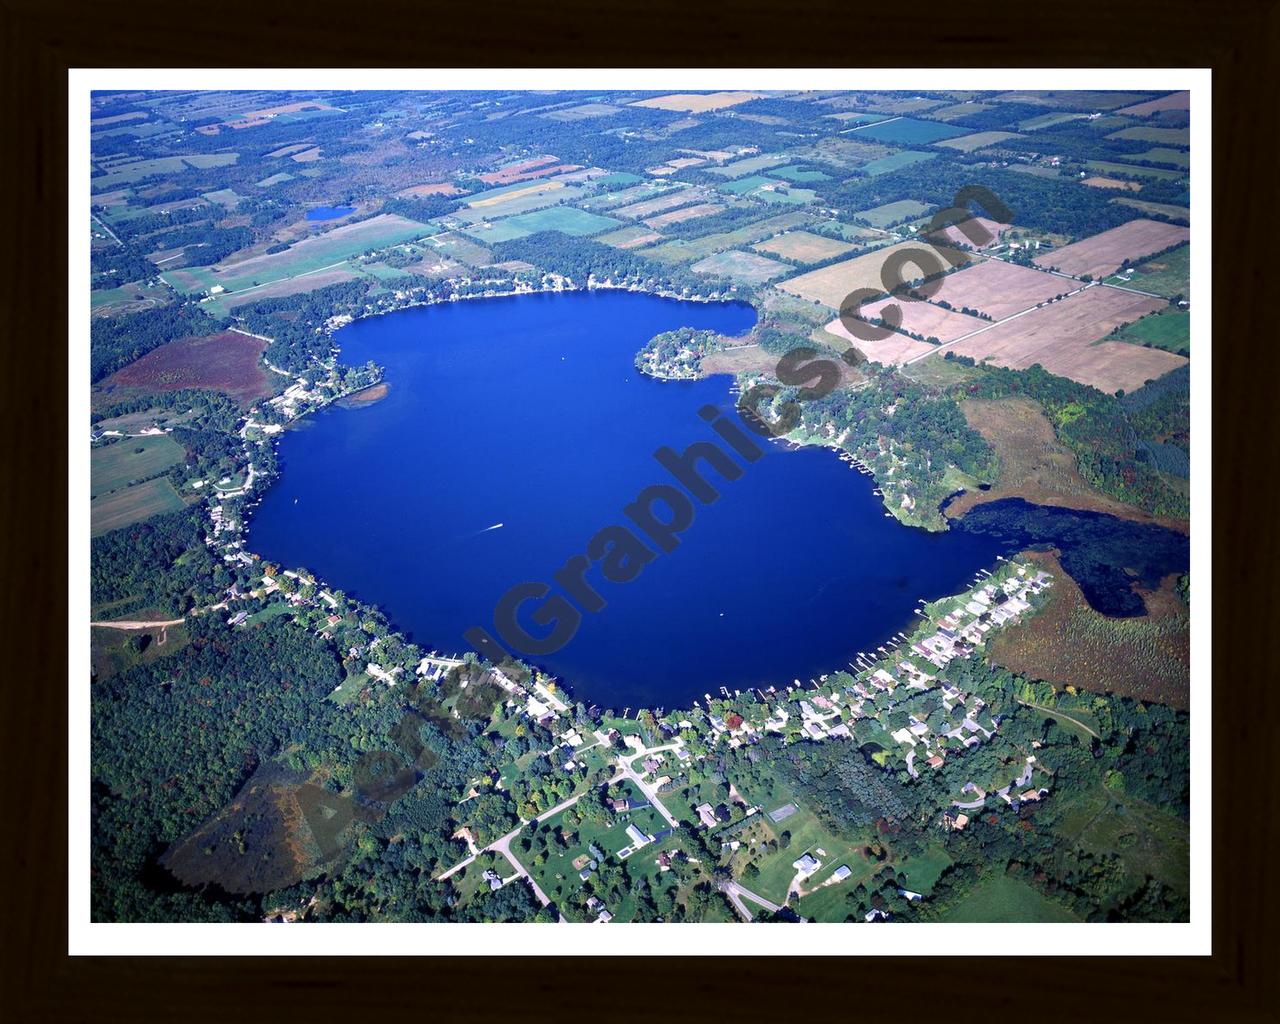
pixel 637 836
pixel 909 895
pixel 935 761
pixel 494 880
pixel 806 865
pixel 841 873
pixel 706 815
pixel 604 917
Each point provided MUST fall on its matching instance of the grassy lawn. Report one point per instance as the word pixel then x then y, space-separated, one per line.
pixel 1004 900
pixel 111 650
pixel 896 160
pixel 350 688
pixel 923 869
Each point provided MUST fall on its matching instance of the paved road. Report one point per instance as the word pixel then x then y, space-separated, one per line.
pixel 648 789
pixel 138 623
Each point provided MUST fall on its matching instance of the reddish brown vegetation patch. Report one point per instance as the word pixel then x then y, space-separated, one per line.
pixel 228 362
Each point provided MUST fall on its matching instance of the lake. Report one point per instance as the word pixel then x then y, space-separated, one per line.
pixel 329 212
pixel 528 412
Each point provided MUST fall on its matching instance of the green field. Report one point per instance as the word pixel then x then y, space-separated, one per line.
pixel 1162 209
pixel 566 219
pixel 907 131
pixel 1169 329
pixel 892 162
pixel 131 459
pixel 1167 275
pixel 893 213
pixel 1167 136
pixel 123 173
pixel 316 252
pixel 1005 900
pixel 132 505
pixel 1163 155
pixel 1106 167
pixel 748 166
pixel 741 266
pixel 799 174
pixel 749 184
pixel 1048 120
pixel 682 249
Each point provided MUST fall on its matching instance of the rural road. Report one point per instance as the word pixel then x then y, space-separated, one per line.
pixel 139 624
pixel 736 893
pixel 1058 714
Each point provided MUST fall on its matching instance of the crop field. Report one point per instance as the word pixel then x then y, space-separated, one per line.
pixel 1116 183
pixel 684 213
pixel 114 466
pixel 567 219
pixel 1168 274
pixel 980 227
pixel 1165 136
pixel 582 113
pixel 905 131
pixel 999 289
pixel 744 186
pixel 460 248
pixel 851 232
pixel 132 505
pixel 520 202
pixel 857 117
pixel 1063 338
pixel 799 174
pixel 893 213
pixel 959 110
pixel 978 140
pixel 512 172
pixel 123 173
pixel 432 188
pixel 314 253
pixel 228 362
pixel 681 249
pixel 1161 209
pixel 1103 253
pixel 926 319
pixel 803 247
pixel 637 193
pixel 666 201
pixel 897 160
pixel 697 103
pixel 630 237
pixel 1169 329
pixel 1174 101
pixel 741 266
pixel 1163 155
pixel 227 301
pixel 829 285
pixel 894 350
pixel 506 193
pixel 1133 170
pixel 897 106
pixel 275 179
pixel 1032 124
pixel 749 166
pixel 844 151
pixel 1076 99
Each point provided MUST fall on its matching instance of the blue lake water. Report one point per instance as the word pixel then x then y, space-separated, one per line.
pixel 329 212
pixel 529 412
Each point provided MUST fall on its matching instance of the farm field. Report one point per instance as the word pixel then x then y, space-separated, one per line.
pixel 979 227
pixel 803 247
pixel 1179 158
pixel 698 104
pixel 905 158
pixel 228 362
pixel 1133 170
pixel 1001 898
pixel 959 110
pixel 999 289
pixel 1146 133
pixel 829 285
pixel 895 350
pixel 630 237
pixel 432 188
pixel 520 202
pixel 313 253
pixel 1161 209
pixel 683 214
pixel 1168 274
pixel 658 204
pixel 847 151
pixel 634 194
pixel 978 140
pixel 1102 253
pixel 568 219
pixel 1116 183
pixel 926 319
pixel 1174 101
pixel 1169 329
pixel 115 466
pixel 224 302
pixel 749 166
pixel 126 173
pixel 857 117
pixel 459 247
pixel 799 174
pixel 1062 337
pixel 682 249
pixel 1048 120
pixel 906 131
pixel 508 193
pixel 111 511
pixel 893 213
pixel 741 266
pixel 129 298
